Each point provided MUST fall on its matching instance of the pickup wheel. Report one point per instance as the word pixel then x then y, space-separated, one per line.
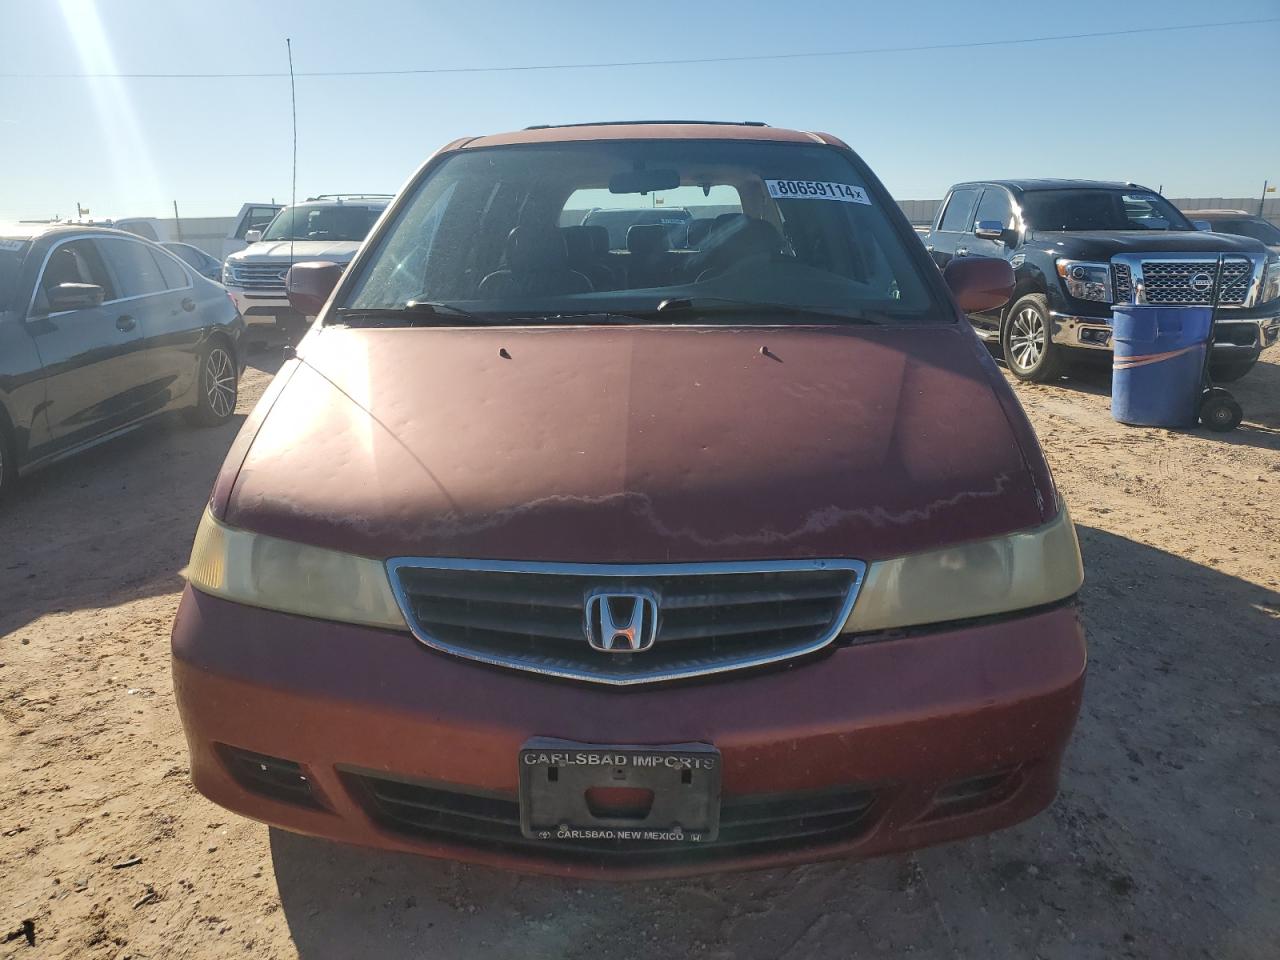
pixel 1026 344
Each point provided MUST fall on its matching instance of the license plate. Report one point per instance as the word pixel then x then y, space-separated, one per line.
pixel 578 791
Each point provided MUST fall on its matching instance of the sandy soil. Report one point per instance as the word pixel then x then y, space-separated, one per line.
pixel 1163 842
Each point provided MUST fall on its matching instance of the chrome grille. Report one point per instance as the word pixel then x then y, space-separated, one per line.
pixel 712 617
pixel 260 275
pixel 1122 282
pixel 1169 281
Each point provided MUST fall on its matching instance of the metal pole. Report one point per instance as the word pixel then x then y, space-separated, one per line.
pixel 1263 202
pixel 177 220
pixel 293 101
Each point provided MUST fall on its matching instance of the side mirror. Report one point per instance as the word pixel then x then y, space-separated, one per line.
pixel 979 283
pixel 989 230
pixel 252 236
pixel 1202 225
pixel 310 283
pixel 75 296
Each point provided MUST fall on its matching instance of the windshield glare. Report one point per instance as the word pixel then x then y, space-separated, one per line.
pixel 1078 209
pixel 573 228
pixel 322 222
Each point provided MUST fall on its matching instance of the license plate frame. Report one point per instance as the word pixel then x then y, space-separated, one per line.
pixel 684 778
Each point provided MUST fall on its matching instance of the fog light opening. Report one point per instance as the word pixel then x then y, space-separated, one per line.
pixel 974 793
pixel 272 777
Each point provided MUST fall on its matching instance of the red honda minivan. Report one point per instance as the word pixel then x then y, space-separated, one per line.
pixel 719 544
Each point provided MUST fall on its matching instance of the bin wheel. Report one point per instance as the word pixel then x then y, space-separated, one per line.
pixel 1220 412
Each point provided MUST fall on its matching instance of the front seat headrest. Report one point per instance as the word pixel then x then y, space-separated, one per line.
pixel 647 239
pixel 531 248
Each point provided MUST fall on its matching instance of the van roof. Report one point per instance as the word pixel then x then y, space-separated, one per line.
pixel 648 130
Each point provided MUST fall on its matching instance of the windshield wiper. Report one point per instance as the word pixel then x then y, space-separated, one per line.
pixel 415 313
pixel 729 305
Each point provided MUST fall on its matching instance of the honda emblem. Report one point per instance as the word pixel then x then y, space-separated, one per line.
pixel 621 621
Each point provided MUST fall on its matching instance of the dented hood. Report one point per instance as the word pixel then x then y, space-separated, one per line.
pixel 635 444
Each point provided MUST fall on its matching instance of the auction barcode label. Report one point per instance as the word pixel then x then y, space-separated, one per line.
pixel 816 190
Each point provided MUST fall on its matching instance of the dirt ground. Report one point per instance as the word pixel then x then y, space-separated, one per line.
pixel 1163 842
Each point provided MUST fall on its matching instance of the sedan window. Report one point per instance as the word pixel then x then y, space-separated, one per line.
pixel 175 278
pixel 135 268
pixel 77 261
pixel 12 253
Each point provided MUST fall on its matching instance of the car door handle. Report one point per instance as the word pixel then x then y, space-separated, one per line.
pixel 125 323
pixel 188 304
pixel 962 251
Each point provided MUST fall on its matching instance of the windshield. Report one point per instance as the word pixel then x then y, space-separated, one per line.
pixel 1257 229
pixel 322 222
pixel 497 231
pixel 11 254
pixel 1085 209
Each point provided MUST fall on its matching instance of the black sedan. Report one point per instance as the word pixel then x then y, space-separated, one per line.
pixel 100 331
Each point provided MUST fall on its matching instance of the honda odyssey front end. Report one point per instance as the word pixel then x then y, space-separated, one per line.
pixel 726 547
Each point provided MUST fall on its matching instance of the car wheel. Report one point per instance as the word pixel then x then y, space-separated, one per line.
pixel 1025 341
pixel 219 386
pixel 1230 371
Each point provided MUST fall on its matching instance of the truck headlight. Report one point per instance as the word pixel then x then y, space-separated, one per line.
pixel 1085 280
pixel 228 273
pixel 1271 281
pixel 291 577
pixel 1005 574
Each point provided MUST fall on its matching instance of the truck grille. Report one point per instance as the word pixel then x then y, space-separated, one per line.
pixel 748 824
pixel 1122 282
pixel 711 617
pixel 260 276
pixel 1169 282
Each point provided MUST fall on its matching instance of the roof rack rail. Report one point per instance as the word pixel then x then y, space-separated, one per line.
pixel 632 123
pixel 352 196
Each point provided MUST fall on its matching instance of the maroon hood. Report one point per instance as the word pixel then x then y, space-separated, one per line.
pixel 640 444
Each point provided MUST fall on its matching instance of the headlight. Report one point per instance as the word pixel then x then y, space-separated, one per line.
pixel 1086 281
pixel 1271 281
pixel 1009 573
pixel 291 577
pixel 228 273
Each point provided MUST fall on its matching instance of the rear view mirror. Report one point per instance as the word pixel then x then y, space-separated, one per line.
pixel 989 230
pixel 979 283
pixel 644 181
pixel 310 283
pixel 1202 225
pixel 252 236
pixel 75 296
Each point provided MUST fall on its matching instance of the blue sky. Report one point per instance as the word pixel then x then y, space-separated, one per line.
pixel 1194 111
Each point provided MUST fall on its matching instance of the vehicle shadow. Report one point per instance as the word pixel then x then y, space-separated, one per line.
pixel 264 347
pixel 1154 820
pixel 139 498
pixel 1258 393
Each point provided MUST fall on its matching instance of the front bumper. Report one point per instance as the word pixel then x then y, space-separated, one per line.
pixel 907 723
pixel 261 302
pixel 1235 338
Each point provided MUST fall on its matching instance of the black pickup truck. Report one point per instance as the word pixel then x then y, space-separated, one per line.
pixel 1078 247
